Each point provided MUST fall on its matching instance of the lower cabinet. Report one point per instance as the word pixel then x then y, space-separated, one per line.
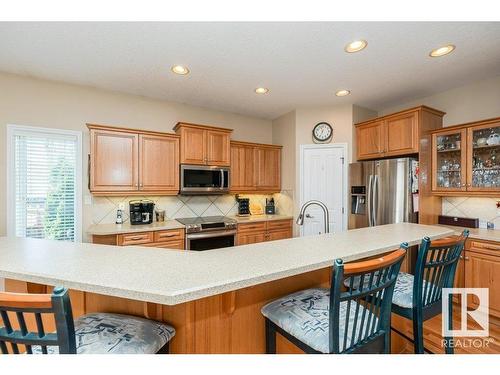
pixel 167 239
pixel 480 268
pixel 272 230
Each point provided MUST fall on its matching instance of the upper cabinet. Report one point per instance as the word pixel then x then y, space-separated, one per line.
pixel 466 158
pixel 204 145
pixel 125 161
pixel 397 134
pixel 255 167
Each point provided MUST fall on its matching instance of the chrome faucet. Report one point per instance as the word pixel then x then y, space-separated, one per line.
pixel 326 217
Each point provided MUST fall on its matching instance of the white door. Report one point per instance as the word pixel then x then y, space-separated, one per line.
pixel 323 178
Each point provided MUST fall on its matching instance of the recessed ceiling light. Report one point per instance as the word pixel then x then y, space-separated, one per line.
pixel 179 69
pixel 355 46
pixel 441 51
pixel 342 93
pixel 261 90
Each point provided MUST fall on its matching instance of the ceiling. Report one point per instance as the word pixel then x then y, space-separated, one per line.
pixel 302 64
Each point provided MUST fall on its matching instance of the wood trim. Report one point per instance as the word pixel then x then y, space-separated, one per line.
pixel 373 264
pixel 252 144
pixel 129 130
pixel 468 193
pixel 486 122
pixel 25 300
pixel 125 193
pixel 419 108
pixel 200 126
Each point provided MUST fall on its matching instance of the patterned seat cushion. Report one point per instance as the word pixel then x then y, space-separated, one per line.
pixel 103 333
pixel 403 290
pixel 305 315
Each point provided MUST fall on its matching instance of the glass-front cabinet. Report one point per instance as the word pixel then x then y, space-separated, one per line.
pixel 449 161
pixel 467 158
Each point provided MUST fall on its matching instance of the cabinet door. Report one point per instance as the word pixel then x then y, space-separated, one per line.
pixel 242 168
pixel 218 148
pixel 267 169
pixel 370 140
pixel 159 163
pixel 483 271
pixel 248 238
pixel 193 146
pixel 449 161
pixel 402 135
pixel 279 235
pixel 113 161
pixel 483 158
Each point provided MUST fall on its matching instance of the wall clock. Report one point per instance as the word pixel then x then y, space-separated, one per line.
pixel 322 132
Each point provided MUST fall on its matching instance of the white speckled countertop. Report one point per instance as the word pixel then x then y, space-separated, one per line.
pixel 173 277
pixel 104 229
pixel 477 233
pixel 255 218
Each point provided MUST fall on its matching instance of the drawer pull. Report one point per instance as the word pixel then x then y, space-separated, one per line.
pixel 162 235
pixel 136 238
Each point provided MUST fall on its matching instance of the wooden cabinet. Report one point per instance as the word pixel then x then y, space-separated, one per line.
pixel 370 140
pixel 262 231
pixel 466 159
pixel 159 163
pixel 396 134
pixel 167 238
pixel 255 167
pixel 482 270
pixel 114 162
pixel 204 145
pixel 131 162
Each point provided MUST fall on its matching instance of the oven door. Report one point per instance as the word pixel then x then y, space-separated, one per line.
pixel 201 179
pixel 210 240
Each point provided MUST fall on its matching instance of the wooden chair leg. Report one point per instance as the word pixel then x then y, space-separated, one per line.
pixel 270 338
pixel 447 339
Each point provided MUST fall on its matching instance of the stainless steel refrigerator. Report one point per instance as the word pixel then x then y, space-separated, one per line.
pixel 383 192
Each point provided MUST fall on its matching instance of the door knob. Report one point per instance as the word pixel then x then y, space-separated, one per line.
pixel 309 216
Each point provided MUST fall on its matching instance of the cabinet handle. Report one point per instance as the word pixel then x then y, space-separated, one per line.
pixel 136 238
pixel 464 257
pixel 167 235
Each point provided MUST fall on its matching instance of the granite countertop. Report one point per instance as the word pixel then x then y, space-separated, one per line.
pixel 255 218
pixel 173 277
pixel 477 233
pixel 105 229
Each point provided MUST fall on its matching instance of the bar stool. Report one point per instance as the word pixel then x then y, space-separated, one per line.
pixel 98 333
pixel 419 297
pixel 335 321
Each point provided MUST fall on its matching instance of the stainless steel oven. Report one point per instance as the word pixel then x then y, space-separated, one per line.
pixel 205 233
pixel 204 179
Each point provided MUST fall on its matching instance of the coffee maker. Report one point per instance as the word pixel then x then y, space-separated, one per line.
pixel 141 212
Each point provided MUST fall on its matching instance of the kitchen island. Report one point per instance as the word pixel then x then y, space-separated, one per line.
pixel 212 298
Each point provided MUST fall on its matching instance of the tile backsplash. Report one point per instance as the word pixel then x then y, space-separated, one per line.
pixel 104 208
pixel 483 208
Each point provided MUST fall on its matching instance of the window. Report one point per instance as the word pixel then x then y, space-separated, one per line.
pixel 44 183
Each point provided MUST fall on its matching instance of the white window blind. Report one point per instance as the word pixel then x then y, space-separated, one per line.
pixel 45 191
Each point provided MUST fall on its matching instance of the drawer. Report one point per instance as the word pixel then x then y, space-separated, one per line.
pixel 279 224
pixel 480 245
pixel 135 238
pixel 169 235
pixel 252 227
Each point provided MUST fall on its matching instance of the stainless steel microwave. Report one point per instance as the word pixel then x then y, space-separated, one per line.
pixel 204 179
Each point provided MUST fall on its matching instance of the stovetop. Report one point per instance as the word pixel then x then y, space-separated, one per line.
pixel 208 223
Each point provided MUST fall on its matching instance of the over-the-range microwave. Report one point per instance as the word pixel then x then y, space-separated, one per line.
pixel 204 179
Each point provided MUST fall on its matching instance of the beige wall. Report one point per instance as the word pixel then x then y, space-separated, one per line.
pixel 284 134
pixel 477 101
pixel 33 102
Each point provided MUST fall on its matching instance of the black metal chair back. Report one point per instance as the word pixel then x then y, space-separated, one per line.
pixel 20 305
pixel 366 304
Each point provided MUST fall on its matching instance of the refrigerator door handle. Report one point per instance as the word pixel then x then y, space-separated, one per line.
pixel 375 199
pixel 370 203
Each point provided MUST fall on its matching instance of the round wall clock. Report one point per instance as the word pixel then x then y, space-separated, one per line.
pixel 322 132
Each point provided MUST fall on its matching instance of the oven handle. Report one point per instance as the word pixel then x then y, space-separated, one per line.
pixel 219 233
